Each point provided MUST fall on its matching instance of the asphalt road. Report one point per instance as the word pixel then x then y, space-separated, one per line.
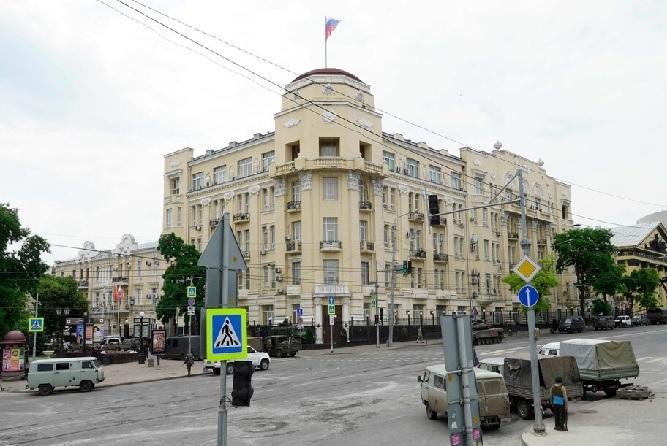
pixel 361 397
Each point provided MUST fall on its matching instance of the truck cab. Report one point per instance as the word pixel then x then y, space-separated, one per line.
pixel 47 374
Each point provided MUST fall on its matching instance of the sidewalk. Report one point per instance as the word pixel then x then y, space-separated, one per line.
pixel 129 373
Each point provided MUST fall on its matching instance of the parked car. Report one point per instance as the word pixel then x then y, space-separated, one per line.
pixel 572 324
pixel 47 374
pixel 639 320
pixel 111 340
pixel 550 349
pixel 494 402
pixel 604 323
pixel 260 360
pixel 623 321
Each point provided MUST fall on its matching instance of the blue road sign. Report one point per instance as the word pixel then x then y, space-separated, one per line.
pixel 528 296
pixel 299 312
pixel 226 337
pixel 36 324
pixel 332 300
pixel 192 291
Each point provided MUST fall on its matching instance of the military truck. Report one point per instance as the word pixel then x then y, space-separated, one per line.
pixel 516 372
pixel 487 336
pixel 282 345
pixel 602 363
pixel 493 401
pixel 656 316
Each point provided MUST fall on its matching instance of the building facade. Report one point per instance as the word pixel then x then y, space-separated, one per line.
pixel 326 203
pixel 642 246
pixel 119 283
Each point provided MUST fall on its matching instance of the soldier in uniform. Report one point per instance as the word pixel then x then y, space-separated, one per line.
pixel 189 361
pixel 559 404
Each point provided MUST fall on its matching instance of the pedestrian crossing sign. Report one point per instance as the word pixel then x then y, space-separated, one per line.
pixel 226 337
pixel 36 324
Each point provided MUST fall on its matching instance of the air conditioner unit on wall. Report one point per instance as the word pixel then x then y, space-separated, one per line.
pixel 278 270
pixel 279 278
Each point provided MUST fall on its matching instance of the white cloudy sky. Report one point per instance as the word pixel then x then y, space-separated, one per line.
pixel 90 101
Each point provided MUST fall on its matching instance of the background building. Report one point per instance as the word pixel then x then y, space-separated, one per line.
pixel 133 270
pixel 320 205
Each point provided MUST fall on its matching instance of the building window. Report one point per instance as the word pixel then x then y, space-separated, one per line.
pixel 363 231
pixel 389 160
pixel 296 191
pixel 267 198
pixel 175 185
pixel 167 218
pixel 296 273
pixel 459 281
pixel 197 180
pixel 265 275
pixel 458 247
pixel 267 314
pixel 420 278
pixel 456 180
pixel 487 283
pixel 330 268
pixel 330 188
pixel 247 278
pixel 485 217
pixel 486 250
pixel 565 212
pixel 365 273
pixel 387 275
pixel 267 160
pixel 478 186
pixel 245 167
pixel 412 167
pixel 434 174
pixel 387 236
pixel 219 174
pixel 363 191
pixel 296 230
pixel 330 226
pixel 329 147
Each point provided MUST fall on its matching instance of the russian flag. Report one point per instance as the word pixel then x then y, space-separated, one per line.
pixel 329 26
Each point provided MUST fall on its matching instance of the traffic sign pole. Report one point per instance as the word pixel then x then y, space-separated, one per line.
pixel 34 339
pixel 538 426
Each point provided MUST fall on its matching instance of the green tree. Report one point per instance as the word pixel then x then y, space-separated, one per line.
pixel 589 251
pixel 182 271
pixel 609 281
pixel 601 307
pixel 20 269
pixel 543 282
pixel 56 294
pixel 646 281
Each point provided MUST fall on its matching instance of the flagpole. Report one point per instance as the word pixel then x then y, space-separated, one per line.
pixel 325 41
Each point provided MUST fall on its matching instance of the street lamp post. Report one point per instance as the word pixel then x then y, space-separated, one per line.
pixel 141 336
pixel 85 328
pixel 62 311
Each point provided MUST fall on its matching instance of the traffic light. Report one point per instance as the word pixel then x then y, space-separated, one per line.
pixel 407 267
pixel 433 210
pixel 242 390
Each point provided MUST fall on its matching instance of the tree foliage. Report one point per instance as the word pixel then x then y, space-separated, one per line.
pixel 543 282
pixel 640 286
pixel 182 271
pixel 589 251
pixel 609 281
pixel 601 307
pixel 58 293
pixel 20 269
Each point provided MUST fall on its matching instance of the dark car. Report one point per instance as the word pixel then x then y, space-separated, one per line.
pixel 604 323
pixel 639 320
pixel 572 324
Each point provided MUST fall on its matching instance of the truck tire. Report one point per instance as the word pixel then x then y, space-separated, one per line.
pixel 524 409
pixel 45 389
pixel 430 413
pixel 86 386
pixel 610 391
pixel 264 364
pixel 216 370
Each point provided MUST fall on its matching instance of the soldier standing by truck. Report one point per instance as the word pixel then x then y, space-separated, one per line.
pixel 559 404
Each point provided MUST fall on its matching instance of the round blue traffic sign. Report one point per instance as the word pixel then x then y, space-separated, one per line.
pixel 528 296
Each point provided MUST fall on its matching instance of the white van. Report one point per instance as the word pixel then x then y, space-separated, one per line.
pixel 46 374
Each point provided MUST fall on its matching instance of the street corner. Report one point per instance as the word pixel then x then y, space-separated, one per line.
pixel 579 436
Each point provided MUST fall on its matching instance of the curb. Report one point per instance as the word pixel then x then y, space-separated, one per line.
pixel 102 385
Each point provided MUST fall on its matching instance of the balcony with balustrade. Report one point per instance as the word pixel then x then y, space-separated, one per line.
pixel 293 247
pixel 417 254
pixel 241 217
pixel 416 216
pixel 367 247
pixel 331 245
pixel 440 257
pixel 293 206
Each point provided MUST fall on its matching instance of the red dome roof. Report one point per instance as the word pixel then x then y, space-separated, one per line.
pixel 14 337
pixel 326 71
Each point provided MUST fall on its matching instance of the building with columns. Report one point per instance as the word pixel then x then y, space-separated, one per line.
pixel 135 272
pixel 322 205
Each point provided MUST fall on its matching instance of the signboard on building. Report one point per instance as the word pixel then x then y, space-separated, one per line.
pixel 12 359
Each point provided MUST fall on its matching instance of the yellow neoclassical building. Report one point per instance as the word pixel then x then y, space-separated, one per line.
pixel 319 204
pixel 134 270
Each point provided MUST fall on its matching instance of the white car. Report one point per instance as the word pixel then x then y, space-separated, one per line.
pixel 550 349
pixel 623 321
pixel 260 360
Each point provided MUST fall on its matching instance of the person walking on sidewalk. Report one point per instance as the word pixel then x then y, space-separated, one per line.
pixel 559 404
pixel 189 361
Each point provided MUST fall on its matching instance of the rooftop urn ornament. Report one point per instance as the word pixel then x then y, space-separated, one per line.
pixel 498 145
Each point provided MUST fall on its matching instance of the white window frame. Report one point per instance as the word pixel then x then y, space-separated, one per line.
pixel 197 180
pixel 267 160
pixel 330 188
pixel 389 160
pixel 412 167
pixel 330 271
pixel 435 174
pixel 244 167
pixel 219 174
pixel 330 229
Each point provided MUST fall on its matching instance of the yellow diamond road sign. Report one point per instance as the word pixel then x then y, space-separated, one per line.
pixel 527 268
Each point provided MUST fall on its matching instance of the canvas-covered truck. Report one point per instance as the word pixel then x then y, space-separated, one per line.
pixel 516 372
pixel 602 363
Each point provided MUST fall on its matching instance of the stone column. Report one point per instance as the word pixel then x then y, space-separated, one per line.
pixel 317 312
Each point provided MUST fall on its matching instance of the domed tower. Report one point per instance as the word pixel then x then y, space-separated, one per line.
pixel 329 171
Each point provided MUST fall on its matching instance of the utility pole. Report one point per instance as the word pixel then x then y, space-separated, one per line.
pixel 377 317
pixel 538 425
pixel 34 339
pixel 390 341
